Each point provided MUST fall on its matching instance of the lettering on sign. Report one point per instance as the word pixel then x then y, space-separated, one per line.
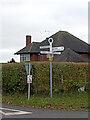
pixel 42 47
pixel 45 52
pixel 58 48
pixel 58 53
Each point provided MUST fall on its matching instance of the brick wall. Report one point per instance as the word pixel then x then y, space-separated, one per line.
pixel 85 55
pixel 45 58
pixel 36 57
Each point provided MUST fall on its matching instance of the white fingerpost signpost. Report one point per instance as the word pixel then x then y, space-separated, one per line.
pixel 29 77
pixel 51 52
pixel 50 40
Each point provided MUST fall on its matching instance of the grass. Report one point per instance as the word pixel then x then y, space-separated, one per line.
pixel 77 101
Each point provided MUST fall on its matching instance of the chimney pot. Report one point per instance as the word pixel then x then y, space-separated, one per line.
pixel 28 39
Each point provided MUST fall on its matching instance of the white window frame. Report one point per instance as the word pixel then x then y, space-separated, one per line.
pixel 24 57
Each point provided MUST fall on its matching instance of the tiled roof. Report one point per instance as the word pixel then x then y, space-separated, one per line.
pixel 31 48
pixel 69 56
pixel 61 38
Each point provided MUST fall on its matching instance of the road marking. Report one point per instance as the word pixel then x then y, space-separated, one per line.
pixel 1 112
pixel 16 112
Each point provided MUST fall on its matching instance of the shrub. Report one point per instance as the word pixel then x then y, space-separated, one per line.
pixel 66 77
pixel 13 78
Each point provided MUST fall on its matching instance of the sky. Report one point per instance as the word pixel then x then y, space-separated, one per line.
pixel 40 19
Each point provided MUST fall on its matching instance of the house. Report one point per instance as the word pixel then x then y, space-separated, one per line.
pixel 72 44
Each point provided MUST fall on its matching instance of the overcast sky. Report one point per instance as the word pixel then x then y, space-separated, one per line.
pixel 19 18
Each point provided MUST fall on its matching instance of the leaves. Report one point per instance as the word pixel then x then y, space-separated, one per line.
pixel 66 77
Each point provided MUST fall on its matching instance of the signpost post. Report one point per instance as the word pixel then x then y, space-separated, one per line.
pixel 51 52
pixel 29 77
pixel 50 40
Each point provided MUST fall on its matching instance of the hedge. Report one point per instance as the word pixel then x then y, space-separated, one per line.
pixel 66 77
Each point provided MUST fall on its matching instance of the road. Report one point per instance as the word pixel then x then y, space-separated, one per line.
pixel 9 111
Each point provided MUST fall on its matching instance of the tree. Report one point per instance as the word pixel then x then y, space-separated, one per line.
pixel 12 61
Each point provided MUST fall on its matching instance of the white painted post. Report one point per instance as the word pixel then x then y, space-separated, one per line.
pixel 50 42
pixel 51 69
pixel 51 79
pixel 29 85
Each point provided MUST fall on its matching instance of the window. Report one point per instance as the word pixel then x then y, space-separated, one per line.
pixel 24 57
pixel 28 57
pixel 41 57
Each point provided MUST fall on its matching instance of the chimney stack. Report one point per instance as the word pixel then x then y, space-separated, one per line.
pixel 28 39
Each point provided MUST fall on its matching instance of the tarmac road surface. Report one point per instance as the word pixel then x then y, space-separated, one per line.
pixel 10 111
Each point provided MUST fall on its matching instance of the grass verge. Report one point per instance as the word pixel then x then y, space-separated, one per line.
pixel 77 101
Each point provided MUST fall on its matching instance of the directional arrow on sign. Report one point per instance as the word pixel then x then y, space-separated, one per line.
pixel 42 47
pixel 48 52
pixel 53 48
pixel 58 48
pixel 45 52
pixel 57 53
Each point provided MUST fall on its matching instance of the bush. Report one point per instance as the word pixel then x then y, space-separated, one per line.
pixel 66 77
pixel 13 78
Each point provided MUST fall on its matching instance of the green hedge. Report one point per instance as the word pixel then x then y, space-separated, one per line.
pixel 13 78
pixel 66 77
